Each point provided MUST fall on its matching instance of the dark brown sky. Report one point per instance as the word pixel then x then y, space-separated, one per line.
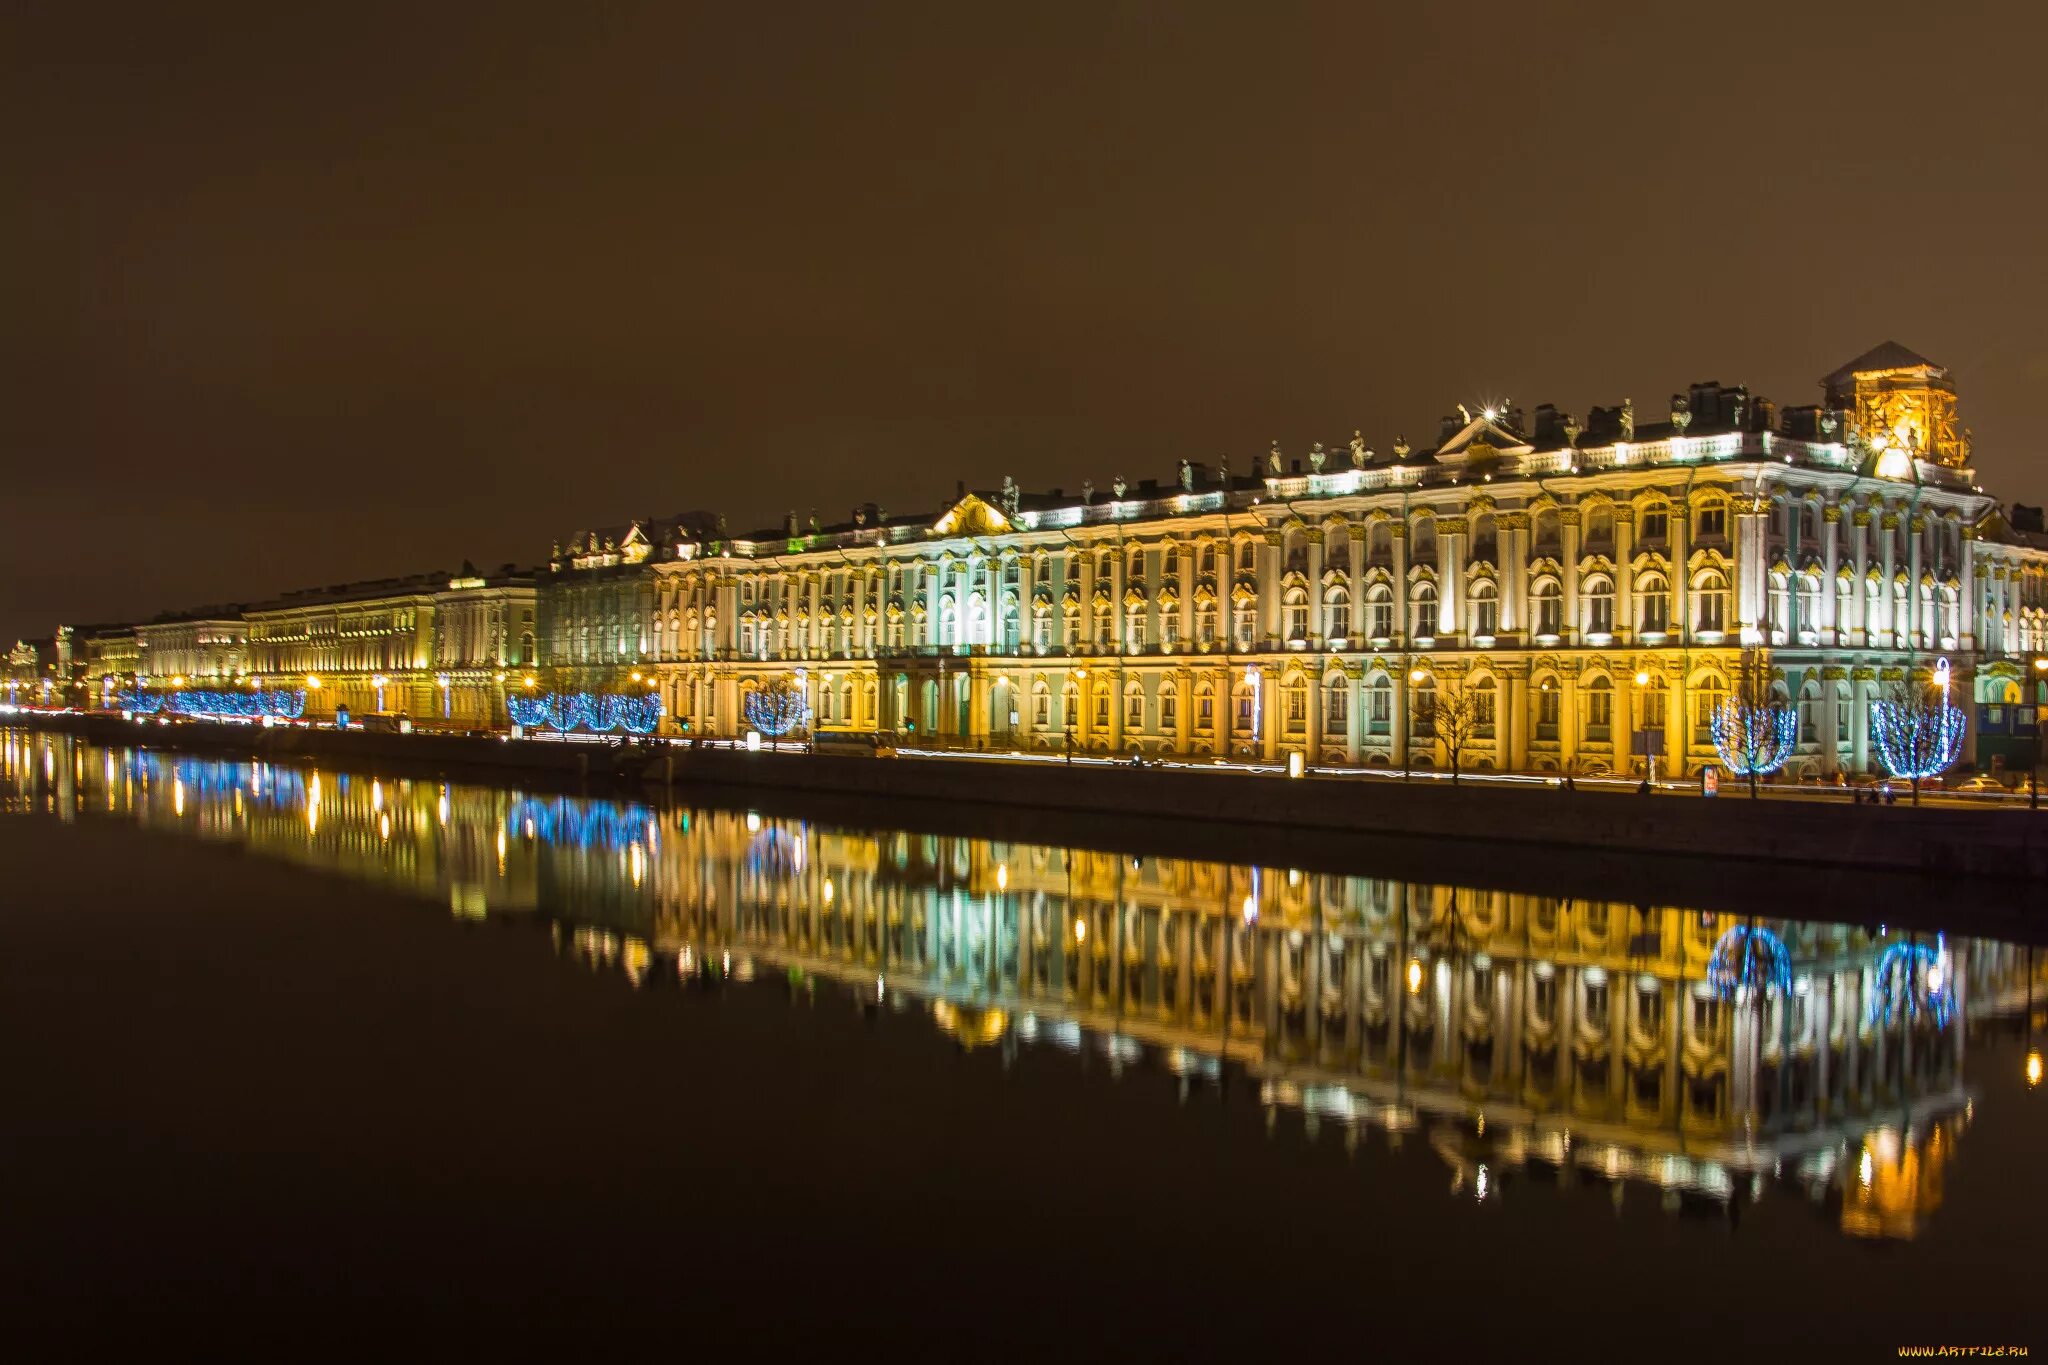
pixel 295 294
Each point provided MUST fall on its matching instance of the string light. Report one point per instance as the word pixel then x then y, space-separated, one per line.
pixel 1912 979
pixel 281 704
pixel 637 714
pixel 1917 739
pixel 1754 739
pixel 1749 958
pixel 776 710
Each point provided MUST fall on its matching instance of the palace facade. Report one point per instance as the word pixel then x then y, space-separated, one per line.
pixel 1582 593
pixel 1588 591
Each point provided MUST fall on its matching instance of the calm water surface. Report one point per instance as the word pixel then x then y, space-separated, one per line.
pixel 1174 1104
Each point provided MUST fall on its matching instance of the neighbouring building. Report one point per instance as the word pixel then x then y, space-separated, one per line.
pixel 433 647
pixel 205 648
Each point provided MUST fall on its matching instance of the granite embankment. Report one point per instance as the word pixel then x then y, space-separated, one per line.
pixel 1996 844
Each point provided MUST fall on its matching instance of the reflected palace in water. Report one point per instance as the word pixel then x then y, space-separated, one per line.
pixel 1709 1057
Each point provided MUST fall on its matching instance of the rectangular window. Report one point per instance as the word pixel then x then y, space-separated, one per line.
pixel 1655 526
pixel 1714 522
pixel 1169 710
pixel 1134 711
pixel 1337 709
pixel 1546 713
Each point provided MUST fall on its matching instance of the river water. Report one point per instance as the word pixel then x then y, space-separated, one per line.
pixel 417 1056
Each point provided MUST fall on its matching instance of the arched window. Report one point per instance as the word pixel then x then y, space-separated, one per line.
pixel 1242 696
pixel 1809 714
pixel 1422 611
pixel 1336 706
pixel 1294 706
pixel 1421 707
pixel 1546 607
pixel 1653 604
pixel 1169 707
pixel 1134 708
pixel 1295 602
pixel 1205 708
pixel 1379 610
pixel 1599 694
pixel 1485 609
pixel 1337 612
pixel 1379 708
pixel 1707 696
pixel 1041 704
pixel 1808 623
pixel 1598 597
pixel 1102 706
pixel 1710 602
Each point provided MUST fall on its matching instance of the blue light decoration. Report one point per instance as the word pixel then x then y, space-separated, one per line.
pixel 599 713
pixel 777 709
pixel 1917 739
pixel 137 702
pixel 581 824
pixel 1754 739
pixel 280 704
pixel 1912 980
pixel 1920 736
pixel 1751 958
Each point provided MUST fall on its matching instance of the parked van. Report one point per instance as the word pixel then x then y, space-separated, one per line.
pixel 867 743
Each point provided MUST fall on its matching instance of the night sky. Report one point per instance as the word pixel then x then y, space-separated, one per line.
pixel 298 294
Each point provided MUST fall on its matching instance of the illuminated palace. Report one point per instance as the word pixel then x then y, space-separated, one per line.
pixel 1592 586
pixel 1704 1054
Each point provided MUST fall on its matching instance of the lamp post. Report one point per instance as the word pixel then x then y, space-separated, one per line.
pixel 1642 718
pixel 2040 713
pixel 1080 700
pixel 1416 677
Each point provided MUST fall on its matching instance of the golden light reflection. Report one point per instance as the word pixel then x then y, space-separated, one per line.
pixel 376 795
pixel 178 795
pixel 636 864
pixel 2034 1067
pixel 1414 976
pixel 384 826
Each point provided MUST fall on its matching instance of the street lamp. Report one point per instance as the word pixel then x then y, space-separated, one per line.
pixel 1416 677
pixel 2040 711
pixel 1080 700
pixel 1642 719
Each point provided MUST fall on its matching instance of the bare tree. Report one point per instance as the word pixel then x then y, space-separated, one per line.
pixel 1450 715
pixel 1917 732
pixel 1755 730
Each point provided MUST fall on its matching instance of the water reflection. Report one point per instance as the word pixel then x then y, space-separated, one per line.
pixel 1708 1058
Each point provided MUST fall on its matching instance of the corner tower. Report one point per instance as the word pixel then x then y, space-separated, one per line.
pixel 1897 399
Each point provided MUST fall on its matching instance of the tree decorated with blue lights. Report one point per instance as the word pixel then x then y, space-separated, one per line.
pixel 1912 981
pixel 777 709
pixel 1917 732
pixel 1755 729
pixel 138 702
pixel 1749 958
pixel 599 712
pixel 285 703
